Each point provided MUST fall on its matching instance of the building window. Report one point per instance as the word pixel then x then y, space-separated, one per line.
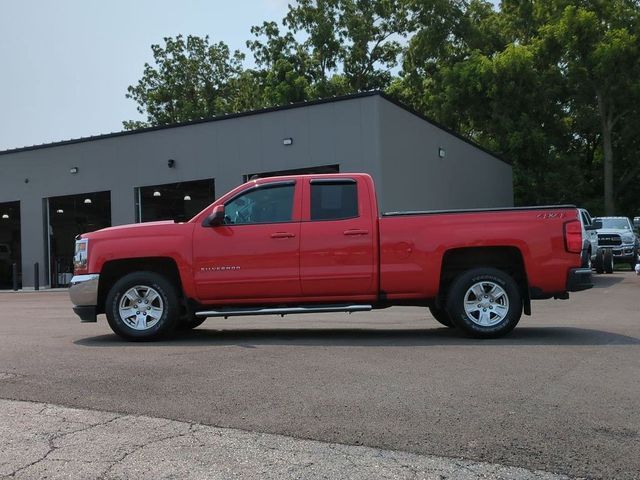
pixel 173 201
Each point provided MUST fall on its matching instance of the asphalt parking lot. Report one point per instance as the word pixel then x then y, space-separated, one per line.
pixel 560 394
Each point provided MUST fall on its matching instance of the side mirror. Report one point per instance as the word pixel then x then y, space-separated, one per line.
pixel 590 228
pixel 216 218
pixel 597 224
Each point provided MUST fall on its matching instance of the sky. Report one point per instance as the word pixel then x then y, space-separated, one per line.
pixel 65 65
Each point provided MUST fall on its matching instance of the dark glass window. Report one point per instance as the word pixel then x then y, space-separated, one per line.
pixel 334 201
pixel 173 201
pixel 262 205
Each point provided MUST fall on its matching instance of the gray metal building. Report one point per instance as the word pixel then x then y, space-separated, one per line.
pixel 49 193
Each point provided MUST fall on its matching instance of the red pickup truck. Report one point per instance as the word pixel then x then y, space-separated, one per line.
pixel 316 243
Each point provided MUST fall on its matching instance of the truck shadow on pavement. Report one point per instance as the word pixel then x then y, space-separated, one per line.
pixel 251 338
pixel 606 280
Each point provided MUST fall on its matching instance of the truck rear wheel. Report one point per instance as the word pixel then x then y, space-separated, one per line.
pixel 484 303
pixel 441 316
pixel 142 306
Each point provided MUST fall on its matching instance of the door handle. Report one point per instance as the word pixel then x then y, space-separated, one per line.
pixel 283 235
pixel 356 231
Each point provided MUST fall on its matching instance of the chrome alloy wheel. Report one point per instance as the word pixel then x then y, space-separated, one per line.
pixel 486 304
pixel 141 307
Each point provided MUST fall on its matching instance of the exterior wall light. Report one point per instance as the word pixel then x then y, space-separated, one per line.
pixel 87 201
pixel 60 210
pixel 73 170
pixel 171 163
pixel 287 141
pixel 157 194
pixel 187 198
pixel 442 152
pixel 5 216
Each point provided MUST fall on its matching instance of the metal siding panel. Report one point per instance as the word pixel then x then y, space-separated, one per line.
pixel 415 177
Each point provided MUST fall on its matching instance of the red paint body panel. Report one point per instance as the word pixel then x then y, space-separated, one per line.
pixel 145 240
pixel 248 261
pixel 303 261
pixel 348 246
pixel 413 247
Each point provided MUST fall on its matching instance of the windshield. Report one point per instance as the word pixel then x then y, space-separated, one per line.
pixel 615 223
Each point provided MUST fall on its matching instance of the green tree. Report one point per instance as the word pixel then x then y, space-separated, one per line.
pixel 189 79
pixel 544 82
pixel 348 46
pixel 597 41
pixel 284 66
pixel 358 40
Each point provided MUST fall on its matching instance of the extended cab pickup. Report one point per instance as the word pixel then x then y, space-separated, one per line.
pixel 316 243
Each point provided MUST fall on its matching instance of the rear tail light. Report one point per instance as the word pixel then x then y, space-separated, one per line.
pixel 573 236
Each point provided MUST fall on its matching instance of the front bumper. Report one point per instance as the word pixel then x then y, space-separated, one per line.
pixel 83 293
pixel 579 279
pixel 624 252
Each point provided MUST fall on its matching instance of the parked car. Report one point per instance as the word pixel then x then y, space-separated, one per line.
pixel 616 234
pixel 590 240
pixel 316 243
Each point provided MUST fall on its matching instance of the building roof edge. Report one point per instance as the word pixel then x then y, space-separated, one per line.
pixel 290 106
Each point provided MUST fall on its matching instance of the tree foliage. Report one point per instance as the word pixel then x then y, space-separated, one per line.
pixel 551 85
pixel 191 79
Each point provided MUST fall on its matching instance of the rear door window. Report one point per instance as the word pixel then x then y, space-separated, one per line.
pixel 334 200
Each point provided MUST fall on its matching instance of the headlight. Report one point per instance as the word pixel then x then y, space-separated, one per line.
pixel 81 254
pixel 628 238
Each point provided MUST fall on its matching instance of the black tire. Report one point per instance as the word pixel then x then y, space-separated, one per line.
pixel 607 259
pixel 507 298
pixel 599 262
pixel 190 322
pixel 167 298
pixel 586 260
pixel 441 316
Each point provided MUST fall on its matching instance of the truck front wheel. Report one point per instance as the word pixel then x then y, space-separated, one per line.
pixel 484 303
pixel 142 306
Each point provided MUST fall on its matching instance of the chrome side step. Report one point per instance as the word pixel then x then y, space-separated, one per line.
pixel 284 311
